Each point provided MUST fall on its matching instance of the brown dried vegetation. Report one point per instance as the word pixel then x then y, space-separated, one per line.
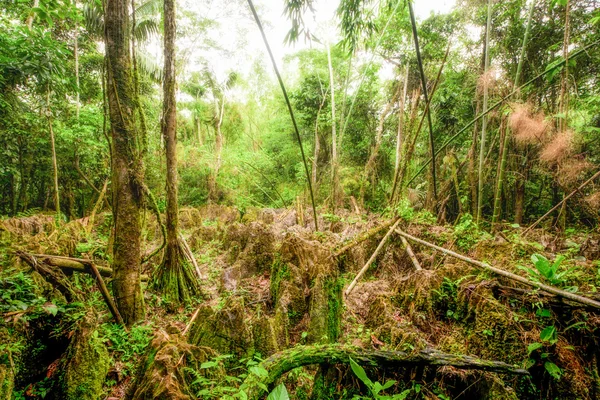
pixel 527 127
pixel 559 148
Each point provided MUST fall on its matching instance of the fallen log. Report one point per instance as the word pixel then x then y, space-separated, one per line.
pixel 54 276
pixel 75 264
pixel 284 361
pixel 411 254
pixel 535 296
pixel 550 289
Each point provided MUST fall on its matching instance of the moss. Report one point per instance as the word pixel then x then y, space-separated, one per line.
pixel 7 382
pixel 265 336
pixel 279 273
pixel 225 330
pixel 325 310
pixel 87 363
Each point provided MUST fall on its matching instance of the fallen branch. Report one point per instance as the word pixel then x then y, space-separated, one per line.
pixel 411 254
pixel 187 252
pixel 584 184
pixel 361 238
pixel 74 264
pixel 535 296
pixel 506 274
pixel 105 293
pixel 282 362
pixel 373 256
pixel 55 276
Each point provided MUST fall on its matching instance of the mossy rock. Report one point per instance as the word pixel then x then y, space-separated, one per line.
pixel 7 382
pixel 225 330
pixel 87 363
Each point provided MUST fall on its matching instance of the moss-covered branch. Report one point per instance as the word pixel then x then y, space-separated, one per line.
pixel 282 362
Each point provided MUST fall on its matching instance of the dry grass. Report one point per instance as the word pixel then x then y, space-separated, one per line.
pixel 559 148
pixel 488 79
pixel 527 127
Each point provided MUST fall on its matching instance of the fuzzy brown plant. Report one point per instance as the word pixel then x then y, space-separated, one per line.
pixel 488 79
pixel 572 170
pixel 527 127
pixel 593 200
pixel 557 149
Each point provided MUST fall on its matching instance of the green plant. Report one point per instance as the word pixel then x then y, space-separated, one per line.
pixel 548 337
pixel 375 387
pixel 547 271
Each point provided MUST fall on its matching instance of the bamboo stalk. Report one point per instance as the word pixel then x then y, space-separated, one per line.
pixel 597 174
pixel 579 52
pixel 372 258
pixel 506 274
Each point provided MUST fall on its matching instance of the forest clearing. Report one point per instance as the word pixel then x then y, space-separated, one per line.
pixel 299 199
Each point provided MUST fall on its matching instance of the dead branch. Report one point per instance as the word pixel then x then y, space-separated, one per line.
pixel 372 258
pixel 411 254
pixel 506 274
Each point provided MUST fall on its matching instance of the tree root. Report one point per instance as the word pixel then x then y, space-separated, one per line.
pixel 282 362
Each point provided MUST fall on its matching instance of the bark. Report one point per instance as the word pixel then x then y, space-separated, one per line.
pixel 282 362
pixel 334 152
pixel 53 147
pixel 484 118
pixel 169 132
pixel 127 165
pixel 361 238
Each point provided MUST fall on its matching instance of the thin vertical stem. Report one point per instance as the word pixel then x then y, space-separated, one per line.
pixel 485 106
pixel 427 109
pixel 291 111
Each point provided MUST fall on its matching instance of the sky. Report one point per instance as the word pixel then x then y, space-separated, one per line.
pixel 240 41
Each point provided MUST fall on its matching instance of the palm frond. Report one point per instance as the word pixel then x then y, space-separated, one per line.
pixel 148 65
pixel 146 29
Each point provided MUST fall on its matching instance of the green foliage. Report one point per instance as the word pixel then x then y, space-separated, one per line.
pixel 375 387
pixel 125 346
pixel 467 233
pixel 549 272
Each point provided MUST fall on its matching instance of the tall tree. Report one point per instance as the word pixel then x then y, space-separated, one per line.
pixel 175 278
pixel 127 163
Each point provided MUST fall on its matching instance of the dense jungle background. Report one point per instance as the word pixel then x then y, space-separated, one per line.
pixel 363 200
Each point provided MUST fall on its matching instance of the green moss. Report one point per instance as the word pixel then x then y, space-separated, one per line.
pixel 265 335
pixel 325 310
pixel 279 273
pixel 7 382
pixel 87 364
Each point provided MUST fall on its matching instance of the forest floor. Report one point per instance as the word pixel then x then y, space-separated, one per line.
pixel 273 290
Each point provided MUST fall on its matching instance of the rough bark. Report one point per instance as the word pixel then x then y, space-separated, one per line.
pixel 127 165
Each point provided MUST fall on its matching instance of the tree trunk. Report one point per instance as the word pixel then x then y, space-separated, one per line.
pixel 175 278
pixel 484 118
pixel 334 156
pixel 127 164
pixel 169 132
pixel 54 162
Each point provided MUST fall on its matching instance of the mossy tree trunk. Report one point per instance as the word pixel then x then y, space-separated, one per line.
pixel 175 278
pixel 127 163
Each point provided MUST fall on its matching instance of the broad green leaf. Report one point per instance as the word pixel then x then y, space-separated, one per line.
pixel 553 370
pixel 360 373
pixel 279 393
pixel 549 334
pixel 533 347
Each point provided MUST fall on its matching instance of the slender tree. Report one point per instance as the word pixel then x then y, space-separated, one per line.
pixel 484 118
pixel 175 278
pixel 334 150
pixel 127 163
